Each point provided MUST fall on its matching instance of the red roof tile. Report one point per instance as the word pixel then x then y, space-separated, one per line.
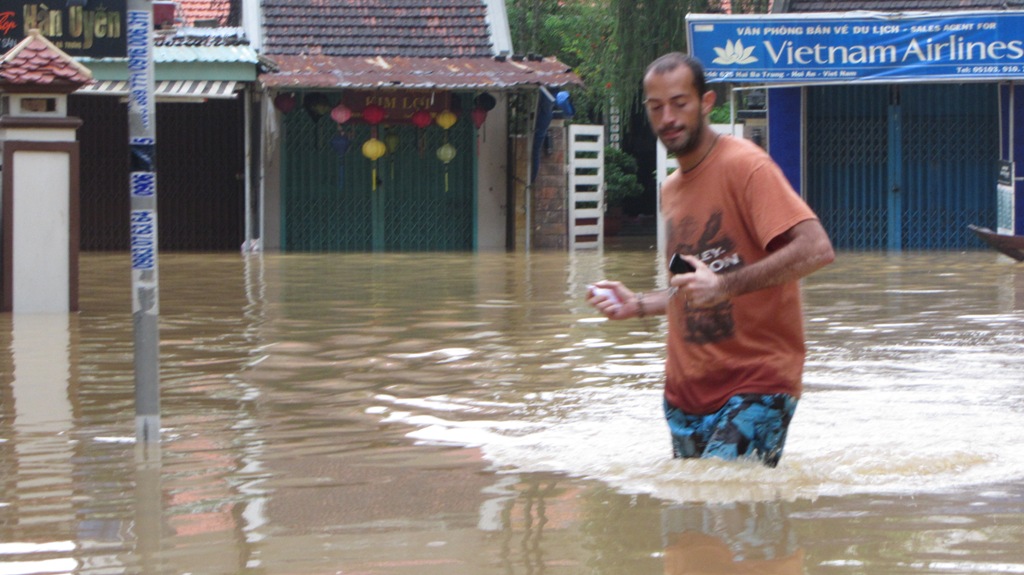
pixel 413 28
pixel 35 61
pixel 193 10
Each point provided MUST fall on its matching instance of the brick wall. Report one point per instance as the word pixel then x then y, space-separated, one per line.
pixel 550 218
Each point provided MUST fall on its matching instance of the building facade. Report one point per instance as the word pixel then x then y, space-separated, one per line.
pixel 894 125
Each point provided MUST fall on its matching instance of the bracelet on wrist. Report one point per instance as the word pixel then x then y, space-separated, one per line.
pixel 641 312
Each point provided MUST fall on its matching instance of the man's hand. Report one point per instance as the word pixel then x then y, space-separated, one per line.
pixel 612 299
pixel 793 254
pixel 700 288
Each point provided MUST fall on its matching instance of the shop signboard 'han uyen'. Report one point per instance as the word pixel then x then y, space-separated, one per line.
pixel 80 29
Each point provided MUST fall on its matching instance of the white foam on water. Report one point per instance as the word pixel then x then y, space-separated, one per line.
pixel 65 565
pixel 883 437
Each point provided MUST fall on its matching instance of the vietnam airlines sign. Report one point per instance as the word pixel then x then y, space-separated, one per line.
pixel 861 46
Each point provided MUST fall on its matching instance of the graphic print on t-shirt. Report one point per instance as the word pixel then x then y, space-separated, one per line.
pixel 710 324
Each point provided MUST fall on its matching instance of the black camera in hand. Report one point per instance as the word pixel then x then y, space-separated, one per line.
pixel 680 266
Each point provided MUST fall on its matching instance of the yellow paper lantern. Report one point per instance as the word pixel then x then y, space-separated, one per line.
pixel 374 149
pixel 446 119
pixel 446 153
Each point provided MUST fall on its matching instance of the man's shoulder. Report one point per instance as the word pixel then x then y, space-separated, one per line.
pixel 743 147
pixel 743 156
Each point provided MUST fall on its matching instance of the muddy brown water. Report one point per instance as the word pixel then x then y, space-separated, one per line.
pixel 469 414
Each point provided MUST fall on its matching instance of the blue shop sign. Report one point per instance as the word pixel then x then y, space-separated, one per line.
pixel 858 46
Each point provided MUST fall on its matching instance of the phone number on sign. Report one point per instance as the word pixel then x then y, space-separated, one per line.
pixel 989 69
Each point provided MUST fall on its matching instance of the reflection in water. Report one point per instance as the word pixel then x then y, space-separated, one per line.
pixel 730 538
pixel 37 407
pixel 468 413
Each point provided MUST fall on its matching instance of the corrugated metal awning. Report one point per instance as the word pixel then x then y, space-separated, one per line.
pixel 167 89
pixel 318 71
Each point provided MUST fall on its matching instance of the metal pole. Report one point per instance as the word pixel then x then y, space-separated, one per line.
pixel 247 171
pixel 143 222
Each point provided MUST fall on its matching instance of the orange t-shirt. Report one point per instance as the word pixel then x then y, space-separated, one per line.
pixel 725 212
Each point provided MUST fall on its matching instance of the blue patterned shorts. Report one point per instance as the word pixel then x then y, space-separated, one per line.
pixel 750 425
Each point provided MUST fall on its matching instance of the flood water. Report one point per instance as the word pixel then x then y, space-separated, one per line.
pixel 469 414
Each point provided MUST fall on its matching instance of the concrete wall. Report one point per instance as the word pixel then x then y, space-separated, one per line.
pixel 492 167
pixel 269 180
pixel 40 275
pixel 40 214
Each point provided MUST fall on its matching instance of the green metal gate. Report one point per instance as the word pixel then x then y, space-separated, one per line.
pixel 418 203
pixel 902 166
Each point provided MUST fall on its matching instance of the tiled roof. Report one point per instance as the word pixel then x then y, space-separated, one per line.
pixel 203 45
pixel 35 61
pixel 410 28
pixel 425 44
pixel 791 6
pixel 200 37
pixel 443 73
pixel 193 10
pixel 199 45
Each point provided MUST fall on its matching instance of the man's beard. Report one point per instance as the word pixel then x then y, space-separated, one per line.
pixel 691 143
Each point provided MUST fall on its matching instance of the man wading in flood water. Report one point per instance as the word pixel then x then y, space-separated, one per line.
pixel 734 367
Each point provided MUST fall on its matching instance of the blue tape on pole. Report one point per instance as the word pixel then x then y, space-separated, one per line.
pixel 143 239
pixel 142 157
pixel 143 184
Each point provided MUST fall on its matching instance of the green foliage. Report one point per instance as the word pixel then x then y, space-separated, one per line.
pixel 719 114
pixel 645 29
pixel 580 34
pixel 608 43
pixel 620 176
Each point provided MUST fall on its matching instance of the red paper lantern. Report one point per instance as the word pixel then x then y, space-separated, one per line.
pixel 374 114
pixel 479 115
pixel 421 119
pixel 285 102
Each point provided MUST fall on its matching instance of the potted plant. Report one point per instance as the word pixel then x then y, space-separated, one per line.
pixel 620 184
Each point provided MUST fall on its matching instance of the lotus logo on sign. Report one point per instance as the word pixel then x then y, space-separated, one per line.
pixel 734 53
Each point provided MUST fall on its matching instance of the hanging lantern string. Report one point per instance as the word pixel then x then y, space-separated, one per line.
pixel 374 149
pixel 446 153
pixel 421 119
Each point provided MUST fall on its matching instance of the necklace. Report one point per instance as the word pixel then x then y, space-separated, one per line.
pixel 705 156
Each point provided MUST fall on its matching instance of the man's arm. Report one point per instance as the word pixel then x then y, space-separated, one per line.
pixel 797 252
pixel 627 303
